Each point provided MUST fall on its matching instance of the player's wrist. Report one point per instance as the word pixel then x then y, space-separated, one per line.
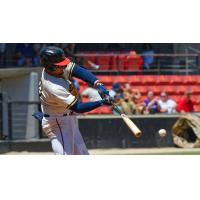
pixel 97 83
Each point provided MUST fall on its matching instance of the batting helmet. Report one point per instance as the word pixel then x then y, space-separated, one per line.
pixel 52 57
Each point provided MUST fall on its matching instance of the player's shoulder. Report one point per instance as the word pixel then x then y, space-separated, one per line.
pixel 68 71
pixel 53 84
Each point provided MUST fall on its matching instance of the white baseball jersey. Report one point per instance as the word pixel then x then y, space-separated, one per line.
pixel 57 95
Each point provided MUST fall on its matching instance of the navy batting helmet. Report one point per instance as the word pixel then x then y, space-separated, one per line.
pixel 52 57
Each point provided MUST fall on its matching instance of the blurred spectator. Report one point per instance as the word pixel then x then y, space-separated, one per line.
pixel 148 55
pixel 24 54
pixel 137 99
pixel 36 57
pixel 136 95
pixel 2 54
pixel 91 93
pixel 151 104
pixel 166 105
pixel 185 104
pixel 135 60
pixel 70 50
pixel 117 91
pixel 127 88
pixel 126 105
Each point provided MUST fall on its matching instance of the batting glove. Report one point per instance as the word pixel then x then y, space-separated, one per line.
pixel 102 90
pixel 108 100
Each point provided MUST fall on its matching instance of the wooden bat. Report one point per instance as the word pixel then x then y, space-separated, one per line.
pixel 134 129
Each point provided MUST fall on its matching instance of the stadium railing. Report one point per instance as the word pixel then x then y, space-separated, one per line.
pixel 1 120
pixel 20 117
pixel 186 63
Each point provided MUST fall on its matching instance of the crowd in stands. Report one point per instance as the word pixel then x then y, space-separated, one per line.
pixel 130 101
pixel 27 55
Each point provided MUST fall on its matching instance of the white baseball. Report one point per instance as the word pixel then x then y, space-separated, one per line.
pixel 162 132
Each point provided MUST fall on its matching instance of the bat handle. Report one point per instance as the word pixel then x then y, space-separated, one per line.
pixel 115 107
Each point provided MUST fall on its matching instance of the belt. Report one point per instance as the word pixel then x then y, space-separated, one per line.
pixel 66 114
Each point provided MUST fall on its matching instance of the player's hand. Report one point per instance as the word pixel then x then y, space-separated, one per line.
pixel 108 100
pixel 102 90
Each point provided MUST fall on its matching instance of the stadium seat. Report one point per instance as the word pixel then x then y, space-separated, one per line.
pixel 195 89
pixel 190 80
pixel 148 79
pixel 197 108
pixel 93 59
pixel 156 89
pixel 105 110
pixel 180 89
pixel 170 89
pixel 103 62
pixel 195 99
pixel 82 83
pixel 101 110
pixel 107 80
pixel 122 79
pixel 121 62
pixel 135 79
pixel 142 89
pixel 114 63
pixel 162 79
pixel 176 79
pixel 197 80
pixel 174 97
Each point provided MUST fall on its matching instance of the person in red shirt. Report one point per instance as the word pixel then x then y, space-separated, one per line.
pixel 185 104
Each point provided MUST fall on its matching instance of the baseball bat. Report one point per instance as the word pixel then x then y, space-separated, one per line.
pixel 134 129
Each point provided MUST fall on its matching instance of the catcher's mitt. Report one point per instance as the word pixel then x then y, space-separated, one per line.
pixel 186 131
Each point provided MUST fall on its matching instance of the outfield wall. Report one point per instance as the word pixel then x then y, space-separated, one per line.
pixel 106 132
pixel 112 132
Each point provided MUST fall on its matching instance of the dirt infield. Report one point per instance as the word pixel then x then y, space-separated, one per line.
pixel 146 151
pixel 130 151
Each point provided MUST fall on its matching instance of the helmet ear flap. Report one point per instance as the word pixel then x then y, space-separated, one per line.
pixel 51 68
pixel 45 62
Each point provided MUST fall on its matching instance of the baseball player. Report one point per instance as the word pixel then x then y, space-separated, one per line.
pixel 59 101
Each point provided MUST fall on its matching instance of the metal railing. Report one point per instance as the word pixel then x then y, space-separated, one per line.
pixel 186 63
pixel 1 121
pixel 21 123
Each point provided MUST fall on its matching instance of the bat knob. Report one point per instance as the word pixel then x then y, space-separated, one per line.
pixel 138 135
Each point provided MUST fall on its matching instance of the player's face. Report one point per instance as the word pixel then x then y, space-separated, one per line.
pixel 59 70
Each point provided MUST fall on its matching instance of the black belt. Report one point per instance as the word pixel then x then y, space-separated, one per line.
pixel 47 115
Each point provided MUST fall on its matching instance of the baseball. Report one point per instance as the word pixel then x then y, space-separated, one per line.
pixel 162 132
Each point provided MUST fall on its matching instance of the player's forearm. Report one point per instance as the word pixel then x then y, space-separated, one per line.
pixel 86 107
pixel 91 79
pixel 83 74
